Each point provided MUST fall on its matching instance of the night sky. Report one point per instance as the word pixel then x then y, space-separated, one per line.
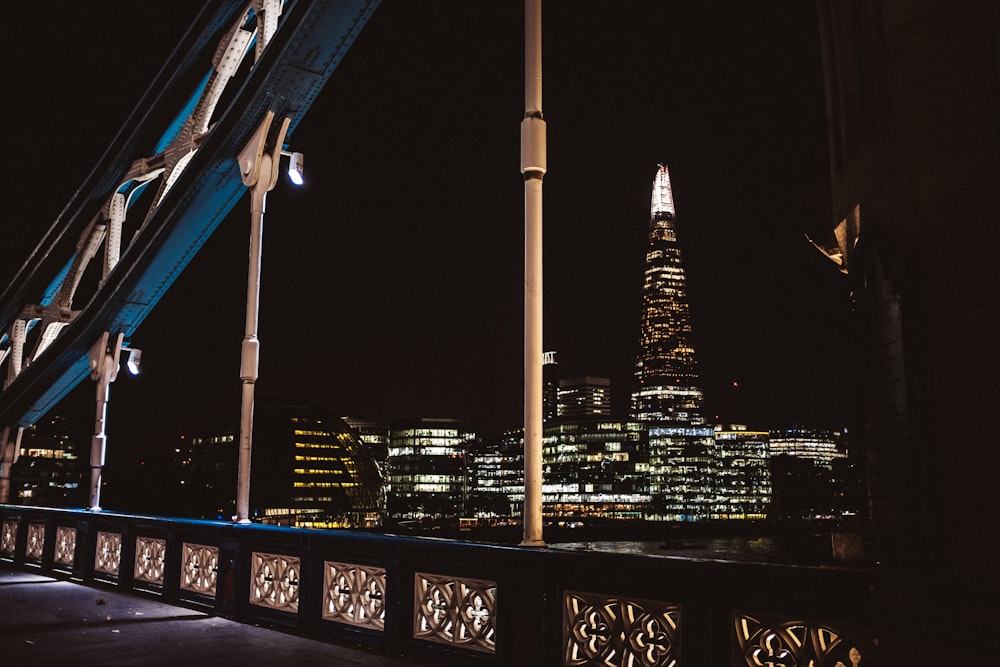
pixel 392 281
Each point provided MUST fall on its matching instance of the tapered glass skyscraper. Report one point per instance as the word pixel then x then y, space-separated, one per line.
pixel 665 374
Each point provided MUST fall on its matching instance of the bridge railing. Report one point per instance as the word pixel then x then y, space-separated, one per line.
pixel 460 602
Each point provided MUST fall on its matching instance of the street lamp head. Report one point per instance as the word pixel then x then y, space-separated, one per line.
pixel 295 163
pixel 134 356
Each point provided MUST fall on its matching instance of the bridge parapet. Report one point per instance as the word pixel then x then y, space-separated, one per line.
pixel 461 602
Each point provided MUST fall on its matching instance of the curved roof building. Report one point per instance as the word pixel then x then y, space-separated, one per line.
pixel 310 468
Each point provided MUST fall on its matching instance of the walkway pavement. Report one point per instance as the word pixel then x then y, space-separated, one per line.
pixel 46 621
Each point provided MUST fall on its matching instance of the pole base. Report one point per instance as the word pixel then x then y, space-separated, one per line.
pixel 540 544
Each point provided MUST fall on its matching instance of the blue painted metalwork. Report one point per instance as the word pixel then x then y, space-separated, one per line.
pixel 312 38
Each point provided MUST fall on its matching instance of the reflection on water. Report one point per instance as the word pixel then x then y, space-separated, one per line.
pixel 811 550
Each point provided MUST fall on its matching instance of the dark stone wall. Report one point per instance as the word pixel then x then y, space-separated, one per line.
pixel 913 93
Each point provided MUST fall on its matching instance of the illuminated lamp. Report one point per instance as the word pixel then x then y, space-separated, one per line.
pixel 295 163
pixel 132 364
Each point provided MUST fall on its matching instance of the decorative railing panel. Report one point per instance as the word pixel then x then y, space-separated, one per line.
pixel 455 611
pixel 199 568
pixel 354 594
pixel 816 615
pixel 620 632
pixel 150 556
pixel 274 581
pixel 108 556
pixel 65 546
pixel 772 640
pixel 8 537
pixel 36 542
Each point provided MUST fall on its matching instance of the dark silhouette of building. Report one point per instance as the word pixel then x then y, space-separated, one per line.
pixel 48 472
pixel 308 469
pixel 584 397
pixel 550 386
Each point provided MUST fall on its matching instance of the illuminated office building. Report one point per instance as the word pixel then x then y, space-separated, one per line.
pixel 48 471
pixel 496 476
pixel 584 397
pixel 427 468
pixel 374 435
pixel 742 475
pixel 682 474
pixel 812 475
pixel 309 470
pixel 595 467
pixel 822 447
pixel 666 376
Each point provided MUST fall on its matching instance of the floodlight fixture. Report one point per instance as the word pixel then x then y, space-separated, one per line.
pixel 295 162
pixel 134 356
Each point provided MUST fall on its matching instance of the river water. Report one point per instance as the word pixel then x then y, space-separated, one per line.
pixel 802 550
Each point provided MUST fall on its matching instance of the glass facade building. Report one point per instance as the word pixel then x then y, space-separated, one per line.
pixel 427 468
pixel 820 446
pixel 742 475
pixel 666 378
pixel 682 477
pixel 496 476
pixel 595 467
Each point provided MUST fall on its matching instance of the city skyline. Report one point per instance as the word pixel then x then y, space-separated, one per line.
pixel 389 291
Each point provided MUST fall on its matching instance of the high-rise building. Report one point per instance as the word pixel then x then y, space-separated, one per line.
pixel 550 386
pixel 666 375
pixel 427 468
pixel 682 472
pixel 496 476
pixel 595 467
pixel 584 397
pixel 742 476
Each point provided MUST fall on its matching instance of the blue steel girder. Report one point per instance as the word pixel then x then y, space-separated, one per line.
pixel 308 43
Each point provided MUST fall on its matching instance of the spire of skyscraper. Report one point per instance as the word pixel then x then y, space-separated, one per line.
pixel 663 196
pixel 666 375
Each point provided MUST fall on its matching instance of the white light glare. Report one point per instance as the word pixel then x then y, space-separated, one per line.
pixel 295 163
pixel 134 356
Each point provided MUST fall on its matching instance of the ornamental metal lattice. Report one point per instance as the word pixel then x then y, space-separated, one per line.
pixel 770 641
pixel 65 546
pixel 619 632
pixel 199 568
pixel 8 538
pixel 354 594
pixel 150 555
pixel 36 541
pixel 459 612
pixel 274 581
pixel 107 558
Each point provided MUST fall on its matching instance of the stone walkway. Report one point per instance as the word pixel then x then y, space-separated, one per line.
pixel 46 621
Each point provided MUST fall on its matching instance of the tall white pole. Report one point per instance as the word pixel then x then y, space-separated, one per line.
pixel 104 357
pixel 533 166
pixel 250 352
pixel 259 171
